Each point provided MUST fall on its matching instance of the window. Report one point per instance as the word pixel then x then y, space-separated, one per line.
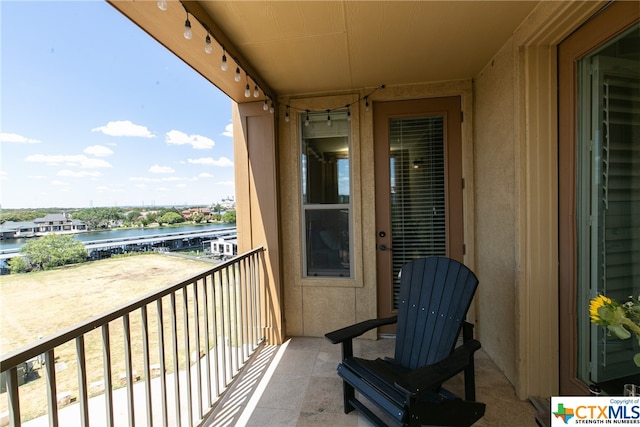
pixel 326 189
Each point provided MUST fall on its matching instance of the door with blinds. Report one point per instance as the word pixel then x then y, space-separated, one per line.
pixel 609 197
pixel 418 188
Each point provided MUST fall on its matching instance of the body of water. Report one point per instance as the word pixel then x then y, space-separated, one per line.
pixel 93 236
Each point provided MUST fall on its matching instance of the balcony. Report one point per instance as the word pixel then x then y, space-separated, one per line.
pixel 296 384
pixel 195 354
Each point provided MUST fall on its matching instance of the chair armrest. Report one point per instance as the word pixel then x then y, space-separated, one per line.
pixel 428 377
pixel 358 329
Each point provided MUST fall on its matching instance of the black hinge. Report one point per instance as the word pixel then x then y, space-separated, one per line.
pixel 461 116
pixel 464 249
pixel 463 183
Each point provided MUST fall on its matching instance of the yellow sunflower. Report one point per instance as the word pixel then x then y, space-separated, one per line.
pixel 595 304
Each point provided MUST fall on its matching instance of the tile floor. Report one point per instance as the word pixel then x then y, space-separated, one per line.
pixel 296 385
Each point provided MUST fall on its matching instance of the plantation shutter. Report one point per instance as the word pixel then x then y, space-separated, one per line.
pixel 616 126
pixel 417 165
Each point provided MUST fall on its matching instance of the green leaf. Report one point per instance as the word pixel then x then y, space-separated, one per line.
pixel 620 331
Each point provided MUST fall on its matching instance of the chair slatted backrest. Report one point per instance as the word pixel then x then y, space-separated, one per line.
pixel 435 294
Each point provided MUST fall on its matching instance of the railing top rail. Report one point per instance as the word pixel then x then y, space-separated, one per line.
pixel 29 351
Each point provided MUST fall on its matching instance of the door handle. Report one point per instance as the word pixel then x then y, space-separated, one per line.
pixel 385 248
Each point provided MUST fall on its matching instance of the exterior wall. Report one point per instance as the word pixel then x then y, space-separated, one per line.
pixel 314 306
pixel 516 156
pixel 257 218
pixel 494 134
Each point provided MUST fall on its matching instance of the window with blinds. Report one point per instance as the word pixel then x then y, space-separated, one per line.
pixel 417 173
pixel 609 208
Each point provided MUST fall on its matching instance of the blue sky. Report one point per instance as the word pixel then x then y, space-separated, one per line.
pixel 94 112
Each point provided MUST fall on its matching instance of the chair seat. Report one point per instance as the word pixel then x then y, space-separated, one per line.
pixel 368 377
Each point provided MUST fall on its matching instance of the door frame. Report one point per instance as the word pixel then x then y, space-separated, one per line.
pixel 450 108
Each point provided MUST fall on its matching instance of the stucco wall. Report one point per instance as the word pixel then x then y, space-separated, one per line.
pixel 494 134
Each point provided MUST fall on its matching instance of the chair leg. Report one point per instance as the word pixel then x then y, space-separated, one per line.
pixel 349 394
pixel 470 382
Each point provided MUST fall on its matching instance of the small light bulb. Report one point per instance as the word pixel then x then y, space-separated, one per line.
pixel 237 77
pixel 366 104
pixel 306 120
pixel 348 115
pixel 247 91
pixel 328 120
pixel 224 66
pixel 286 116
pixel 271 108
pixel 256 91
pixel 208 48
pixel 265 106
pixel 162 4
pixel 187 30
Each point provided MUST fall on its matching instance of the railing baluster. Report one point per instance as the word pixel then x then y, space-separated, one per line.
pixel 83 395
pixel 52 395
pixel 233 314
pixel 161 358
pixel 262 311
pixel 187 350
pixel 176 368
pixel 207 341
pixel 108 377
pixel 214 319
pixel 14 398
pixel 243 308
pixel 196 316
pixel 145 361
pixel 129 371
pixel 223 336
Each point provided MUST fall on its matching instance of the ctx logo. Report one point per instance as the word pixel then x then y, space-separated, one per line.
pixel 581 412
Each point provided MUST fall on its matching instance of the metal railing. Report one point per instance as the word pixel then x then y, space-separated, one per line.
pixel 177 350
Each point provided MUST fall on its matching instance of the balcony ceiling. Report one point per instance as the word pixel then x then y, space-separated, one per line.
pixel 306 47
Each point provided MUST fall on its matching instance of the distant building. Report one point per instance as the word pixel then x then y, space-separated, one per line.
pixel 51 223
pixel 225 247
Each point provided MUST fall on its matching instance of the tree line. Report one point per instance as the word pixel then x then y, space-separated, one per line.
pixel 110 217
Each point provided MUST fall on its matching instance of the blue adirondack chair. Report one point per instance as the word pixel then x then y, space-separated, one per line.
pixel 435 295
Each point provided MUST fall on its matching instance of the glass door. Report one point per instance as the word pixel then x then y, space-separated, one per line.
pixel 608 199
pixel 418 187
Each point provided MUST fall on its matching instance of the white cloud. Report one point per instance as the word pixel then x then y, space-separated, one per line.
pixel 3 175
pixel 161 169
pixel 17 139
pixel 78 174
pixel 228 130
pixel 59 183
pixel 198 142
pixel 124 128
pixel 226 183
pixel 210 161
pixel 79 160
pixel 205 175
pixel 181 185
pixel 98 151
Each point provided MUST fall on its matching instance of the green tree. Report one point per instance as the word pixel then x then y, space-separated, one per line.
pixel 171 218
pixel 53 250
pixel 19 264
pixel 197 217
pixel 229 217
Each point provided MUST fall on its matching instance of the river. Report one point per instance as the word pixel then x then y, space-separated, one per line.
pixel 118 233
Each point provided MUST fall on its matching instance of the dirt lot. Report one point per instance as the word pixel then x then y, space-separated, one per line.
pixel 43 303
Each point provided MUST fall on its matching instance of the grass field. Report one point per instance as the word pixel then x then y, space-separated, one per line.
pixel 43 303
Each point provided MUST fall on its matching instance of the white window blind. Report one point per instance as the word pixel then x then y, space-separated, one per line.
pixel 417 171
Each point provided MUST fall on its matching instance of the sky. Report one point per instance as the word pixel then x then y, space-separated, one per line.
pixel 95 113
